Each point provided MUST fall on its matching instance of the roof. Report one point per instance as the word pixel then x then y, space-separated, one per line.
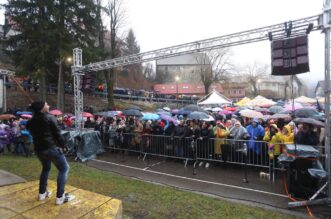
pixel 188 59
pixel 214 98
pixel 321 84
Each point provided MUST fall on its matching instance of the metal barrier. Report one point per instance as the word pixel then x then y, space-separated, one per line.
pixel 251 153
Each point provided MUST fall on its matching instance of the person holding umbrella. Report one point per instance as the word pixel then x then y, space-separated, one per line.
pixel 307 135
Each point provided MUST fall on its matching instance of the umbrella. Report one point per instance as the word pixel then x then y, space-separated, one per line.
pixel 310 121
pixel 193 108
pixel 225 112
pixel 150 116
pixel 208 109
pixel 132 112
pixel 166 109
pixel 86 114
pixel 290 106
pixel 168 118
pixel 134 108
pixel 198 116
pixel 306 112
pixel 26 115
pixel 183 112
pixel 164 113
pixel 55 112
pixel 6 116
pixel 251 113
pixel 159 110
pixel 24 112
pixel 107 114
pixel 276 109
pixel 217 109
pixel 175 111
pixel 280 116
pixel 210 119
pixel 230 108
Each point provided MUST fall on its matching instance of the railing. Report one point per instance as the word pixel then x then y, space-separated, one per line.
pixel 251 153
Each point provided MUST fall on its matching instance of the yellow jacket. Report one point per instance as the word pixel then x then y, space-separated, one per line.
pixel 274 143
pixel 220 134
pixel 289 137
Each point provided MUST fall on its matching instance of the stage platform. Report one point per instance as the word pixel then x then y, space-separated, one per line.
pixel 20 201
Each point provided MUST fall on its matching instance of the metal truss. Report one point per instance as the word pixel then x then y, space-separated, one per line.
pixel 78 94
pixel 5 73
pixel 297 27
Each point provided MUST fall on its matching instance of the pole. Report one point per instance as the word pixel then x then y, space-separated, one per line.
pixel 177 93
pixel 4 94
pixel 326 27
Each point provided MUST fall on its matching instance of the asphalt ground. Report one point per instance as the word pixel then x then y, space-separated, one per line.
pixel 225 182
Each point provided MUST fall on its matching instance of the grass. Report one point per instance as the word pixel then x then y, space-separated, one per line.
pixel 140 199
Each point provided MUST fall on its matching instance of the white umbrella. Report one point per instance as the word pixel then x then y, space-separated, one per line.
pixel 251 113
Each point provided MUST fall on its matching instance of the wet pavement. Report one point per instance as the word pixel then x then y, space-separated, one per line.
pixel 219 181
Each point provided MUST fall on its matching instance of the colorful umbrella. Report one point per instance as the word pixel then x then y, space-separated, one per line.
pixel 251 113
pixel 291 107
pixel 150 116
pixel 55 112
pixel 86 114
pixel 26 116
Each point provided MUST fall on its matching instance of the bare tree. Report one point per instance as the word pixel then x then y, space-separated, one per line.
pixel 253 74
pixel 149 72
pixel 117 19
pixel 214 66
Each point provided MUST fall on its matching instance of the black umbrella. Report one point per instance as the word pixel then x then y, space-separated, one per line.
pixel 305 113
pixel 276 109
pixel 280 116
pixel 132 107
pixel 310 121
pixel 198 116
pixel 132 112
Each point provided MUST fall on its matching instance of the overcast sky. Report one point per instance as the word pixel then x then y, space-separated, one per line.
pixel 163 23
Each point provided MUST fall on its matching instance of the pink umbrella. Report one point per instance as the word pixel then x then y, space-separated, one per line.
pixel 86 114
pixel 26 116
pixel 55 112
pixel 289 107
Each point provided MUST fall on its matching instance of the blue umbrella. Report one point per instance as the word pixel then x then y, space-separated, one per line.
pixel 164 113
pixel 183 112
pixel 150 116
pixel 23 112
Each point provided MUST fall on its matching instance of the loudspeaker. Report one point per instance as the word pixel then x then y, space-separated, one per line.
pixel 290 56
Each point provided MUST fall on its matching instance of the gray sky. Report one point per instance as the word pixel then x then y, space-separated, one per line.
pixel 163 23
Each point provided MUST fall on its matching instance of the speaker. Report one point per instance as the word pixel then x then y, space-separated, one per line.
pixel 290 56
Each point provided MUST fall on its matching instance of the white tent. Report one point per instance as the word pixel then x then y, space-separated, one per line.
pixel 214 98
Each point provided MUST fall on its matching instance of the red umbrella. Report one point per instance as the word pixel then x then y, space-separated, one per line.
pixel 55 112
pixel 6 116
pixel 230 108
pixel 86 114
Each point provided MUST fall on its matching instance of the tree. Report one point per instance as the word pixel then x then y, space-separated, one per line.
pixel 74 26
pixel 31 47
pixel 117 19
pixel 214 66
pixel 253 75
pixel 149 72
pixel 132 47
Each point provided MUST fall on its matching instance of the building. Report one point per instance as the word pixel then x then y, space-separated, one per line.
pixel 187 67
pixel 273 87
pixel 235 91
pixel 185 89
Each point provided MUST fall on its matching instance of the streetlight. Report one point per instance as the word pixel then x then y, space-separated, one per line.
pixel 177 79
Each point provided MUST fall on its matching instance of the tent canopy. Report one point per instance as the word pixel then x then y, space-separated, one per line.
pixel 243 101
pixel 304 99
pixel 214 98
pixel 260 101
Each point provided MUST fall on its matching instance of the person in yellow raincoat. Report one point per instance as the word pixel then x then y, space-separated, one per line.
pixel 274 140
pixel 287 135
pixel 221 132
